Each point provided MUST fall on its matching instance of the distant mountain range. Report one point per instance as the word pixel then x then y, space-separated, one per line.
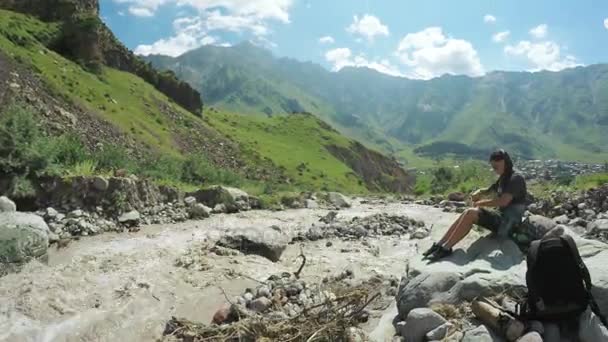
pixel 537 115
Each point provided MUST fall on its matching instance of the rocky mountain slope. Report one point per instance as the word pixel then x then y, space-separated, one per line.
pixel 98 91
pixel 540 115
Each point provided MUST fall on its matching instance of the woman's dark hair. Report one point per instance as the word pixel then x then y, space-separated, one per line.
pixel 503 155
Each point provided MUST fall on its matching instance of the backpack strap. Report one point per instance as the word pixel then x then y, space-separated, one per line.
pixel 569 241
pixel 530 306
pixel 586 277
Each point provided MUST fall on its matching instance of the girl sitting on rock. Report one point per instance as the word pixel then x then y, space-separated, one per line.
pixel 498 215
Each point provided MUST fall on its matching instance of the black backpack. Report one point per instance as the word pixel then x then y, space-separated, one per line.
pixel 559 283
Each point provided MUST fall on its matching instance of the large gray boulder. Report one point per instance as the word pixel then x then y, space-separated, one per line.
pixel 338 200
pixel 6 205
pixel 598 226
pixel 232 199
pixel 487 267
pixel 481 334
pixel 419 322
pixel 268 243
pixel 22 237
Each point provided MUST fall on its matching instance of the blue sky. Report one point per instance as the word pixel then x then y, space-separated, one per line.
pixel 417 39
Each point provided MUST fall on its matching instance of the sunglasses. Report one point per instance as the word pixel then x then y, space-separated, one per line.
pixel 498 155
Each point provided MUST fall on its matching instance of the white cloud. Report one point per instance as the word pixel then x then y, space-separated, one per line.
pixel 539 31
pixel 261 9
pixel 141 11
pixel 544 55
pixel 488 18
pixel 217 21
pixel 368 26
pixel 429 53
pixel 190 33
pixel 240 16
pixel 501 36
pixel 343 57
pixel 606 23
pixel 326 40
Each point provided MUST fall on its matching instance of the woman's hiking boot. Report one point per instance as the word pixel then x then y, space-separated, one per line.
pixel 431 250
pixel 440 253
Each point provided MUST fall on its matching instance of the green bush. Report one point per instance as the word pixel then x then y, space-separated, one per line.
pixel 111 157
pixel 20 142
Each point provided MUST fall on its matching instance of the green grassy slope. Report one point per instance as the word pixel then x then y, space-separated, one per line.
pixel 122 98
pixel 295 143
pixel 294 147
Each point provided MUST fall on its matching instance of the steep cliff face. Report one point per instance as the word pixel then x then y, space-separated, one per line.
pixel 86 39
pixel 52 10
pixel 379 172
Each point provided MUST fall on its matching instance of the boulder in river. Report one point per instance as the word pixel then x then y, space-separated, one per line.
pixel 22 237
pixel 198 211
pixel 457 197
pixel 338 200
pixel 233 199
pixel 130 219
pixel 268 244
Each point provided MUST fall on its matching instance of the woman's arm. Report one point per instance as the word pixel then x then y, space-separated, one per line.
pixel 503 201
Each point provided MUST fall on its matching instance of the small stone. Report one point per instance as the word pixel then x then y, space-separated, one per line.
pixel 222 315
pixel 76 213
pixel 248 296
pixel 261 304
pixel 439 333
pixel 189 201
pixel 130 218
pixel 219 208
pixel 100 183
pixel 421 321
pixel 392 291
pixel 263 291
pixel 329 244
pixel 6 205
pixel 532 336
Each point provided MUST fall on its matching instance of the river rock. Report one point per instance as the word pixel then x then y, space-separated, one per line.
pixel 131 218
pixel 232 198
pixel 457 197
pixel 532 336
pixel 269 244
pixel 439 333
pixel 598 226
pixel 487 267
pixel 199 210
pixel 311 204
pixel 6 205
pixel 189 201
pixel 100 183
pixel 22 236
pixel 260 304
pixel 338 200
pixel 419 322
pixel 50 214
pixel 481 334
pixel 562 219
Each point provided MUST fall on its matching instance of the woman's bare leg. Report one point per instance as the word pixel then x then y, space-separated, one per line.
pixel 451 230
pixel 462 228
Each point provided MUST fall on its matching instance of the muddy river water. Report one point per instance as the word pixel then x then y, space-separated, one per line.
pixel 124 287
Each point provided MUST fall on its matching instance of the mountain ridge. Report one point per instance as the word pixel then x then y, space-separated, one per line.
pixel 540 114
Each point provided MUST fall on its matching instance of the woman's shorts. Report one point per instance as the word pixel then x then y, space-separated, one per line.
pixel 501 221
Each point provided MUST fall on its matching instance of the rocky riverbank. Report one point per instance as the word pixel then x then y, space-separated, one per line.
pixel 273 268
